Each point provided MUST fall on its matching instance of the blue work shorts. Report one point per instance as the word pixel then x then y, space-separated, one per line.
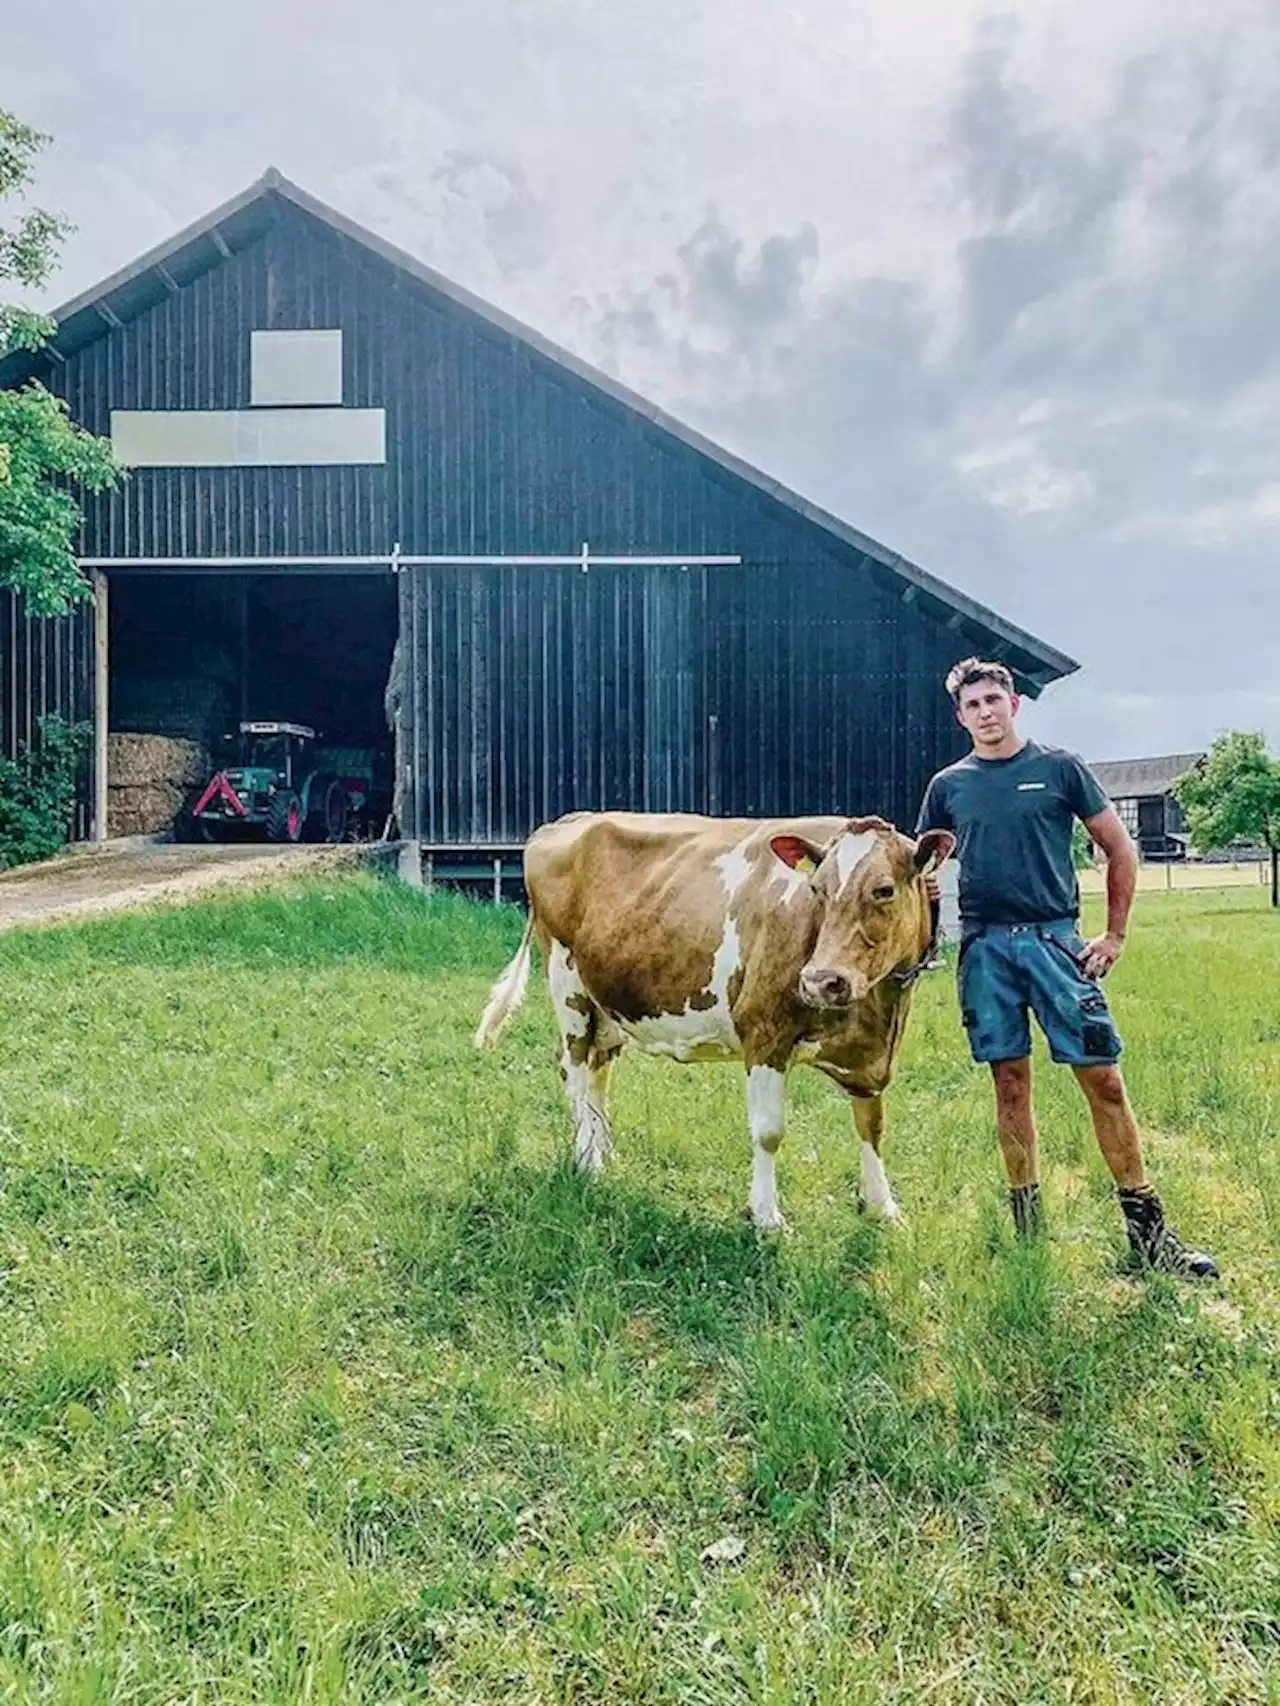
pixel 1006 969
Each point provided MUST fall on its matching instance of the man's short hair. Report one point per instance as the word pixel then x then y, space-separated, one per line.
pixel 969 670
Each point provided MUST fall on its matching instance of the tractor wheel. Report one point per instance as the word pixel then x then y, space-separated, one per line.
pixel 189 828
pixel 284 816
pixel 327 819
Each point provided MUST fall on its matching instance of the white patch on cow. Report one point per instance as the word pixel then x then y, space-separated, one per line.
pixel 734 868
pixel 767 1118
pixel 592 1138
pixel 791 881
pixel 851 850
pixel 876 1193
pixel 699 1033
pixel 564 982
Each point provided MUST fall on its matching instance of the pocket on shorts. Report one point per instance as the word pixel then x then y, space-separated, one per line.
pixel 1071 946
pixel 1098 1035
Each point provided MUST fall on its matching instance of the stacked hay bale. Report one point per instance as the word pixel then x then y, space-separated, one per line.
pixel 148 778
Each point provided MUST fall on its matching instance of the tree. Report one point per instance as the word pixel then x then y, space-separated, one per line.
pixel 1234 795
pixel 42 450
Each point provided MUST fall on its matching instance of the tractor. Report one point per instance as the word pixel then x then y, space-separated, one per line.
pixel 272 779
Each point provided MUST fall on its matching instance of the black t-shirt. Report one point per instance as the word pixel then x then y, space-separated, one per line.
pixel 1012 819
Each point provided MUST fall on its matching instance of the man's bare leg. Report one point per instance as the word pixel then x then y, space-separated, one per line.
pixel 1019 1142
pixel 1114 1124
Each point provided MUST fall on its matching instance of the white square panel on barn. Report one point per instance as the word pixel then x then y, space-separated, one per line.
pixel 295 368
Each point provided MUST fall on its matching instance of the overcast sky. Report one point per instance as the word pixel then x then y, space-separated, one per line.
pixel 999 287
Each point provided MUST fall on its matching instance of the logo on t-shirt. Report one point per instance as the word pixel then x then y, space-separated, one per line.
pixel 1029 787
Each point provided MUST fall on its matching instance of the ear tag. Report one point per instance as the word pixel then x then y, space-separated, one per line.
pixel 806 865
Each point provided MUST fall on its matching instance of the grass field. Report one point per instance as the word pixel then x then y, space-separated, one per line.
pixel 322 1379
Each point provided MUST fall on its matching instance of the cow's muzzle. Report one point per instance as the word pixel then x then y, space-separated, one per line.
pixel 824 987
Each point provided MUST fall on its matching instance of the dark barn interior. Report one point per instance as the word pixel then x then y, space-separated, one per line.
pixel 193 654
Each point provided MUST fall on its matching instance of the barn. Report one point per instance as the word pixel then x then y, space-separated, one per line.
pixel 1141 789
pixel 341 461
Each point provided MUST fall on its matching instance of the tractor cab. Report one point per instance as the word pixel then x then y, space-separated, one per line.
pixel 266 755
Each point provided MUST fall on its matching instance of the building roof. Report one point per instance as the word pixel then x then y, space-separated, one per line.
pixel 239 222
pixel 1140 778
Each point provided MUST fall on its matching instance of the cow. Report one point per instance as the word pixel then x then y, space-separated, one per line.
pixel 776 942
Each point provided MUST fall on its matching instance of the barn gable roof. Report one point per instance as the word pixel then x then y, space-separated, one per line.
pixel 239 222
pixel 1141 778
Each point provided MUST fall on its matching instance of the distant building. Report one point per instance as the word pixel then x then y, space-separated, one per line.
pixel 1141 789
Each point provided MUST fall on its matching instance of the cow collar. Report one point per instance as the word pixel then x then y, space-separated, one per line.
pixel 905 976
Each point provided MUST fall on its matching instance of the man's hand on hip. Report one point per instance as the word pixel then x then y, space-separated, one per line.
pixel 1100 955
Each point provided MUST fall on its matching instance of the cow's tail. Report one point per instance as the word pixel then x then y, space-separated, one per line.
pixel 507 994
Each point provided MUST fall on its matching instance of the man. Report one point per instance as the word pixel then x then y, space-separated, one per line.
pixel 1011 804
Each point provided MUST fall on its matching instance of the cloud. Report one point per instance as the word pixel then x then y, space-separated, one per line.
pixel 1212 527
pixel 1013 474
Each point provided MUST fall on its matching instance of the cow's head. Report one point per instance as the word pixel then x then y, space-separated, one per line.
pixel 875 916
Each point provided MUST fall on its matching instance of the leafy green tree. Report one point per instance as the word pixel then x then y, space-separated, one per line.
pixel 1234 795
pixel 42 451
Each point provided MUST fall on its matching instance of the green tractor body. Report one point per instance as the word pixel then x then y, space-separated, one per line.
pixel 275 782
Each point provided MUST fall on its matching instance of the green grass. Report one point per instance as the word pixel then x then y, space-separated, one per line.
pixel 323 1379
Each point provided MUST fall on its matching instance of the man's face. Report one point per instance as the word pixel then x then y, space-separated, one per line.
pixel 987 711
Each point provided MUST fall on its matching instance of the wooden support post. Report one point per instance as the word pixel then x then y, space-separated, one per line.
pixel 497 879
pixel 410 863
pixel 101 702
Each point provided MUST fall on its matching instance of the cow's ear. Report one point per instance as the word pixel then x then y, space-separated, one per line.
pixel 934 848
pixel 795 851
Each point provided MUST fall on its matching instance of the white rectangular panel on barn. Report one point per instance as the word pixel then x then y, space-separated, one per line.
pixel 248 438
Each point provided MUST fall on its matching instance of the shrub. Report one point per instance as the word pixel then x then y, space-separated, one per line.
pixel 38 791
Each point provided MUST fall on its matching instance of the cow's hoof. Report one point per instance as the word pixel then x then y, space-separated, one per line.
pixel 882 1214
pixel 771 1221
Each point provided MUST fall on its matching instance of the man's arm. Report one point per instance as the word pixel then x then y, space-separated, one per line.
pixel 1110 834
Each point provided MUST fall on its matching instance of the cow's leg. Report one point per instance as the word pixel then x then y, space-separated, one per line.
pixel 584 1062
pixel 877 1197
pixel 592 1133
pixel 767 1117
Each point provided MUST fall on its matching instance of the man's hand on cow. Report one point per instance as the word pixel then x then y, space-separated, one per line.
pixel 932 887
pixel 1100 955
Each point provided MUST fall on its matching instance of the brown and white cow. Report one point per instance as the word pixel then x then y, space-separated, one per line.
pixel 770 941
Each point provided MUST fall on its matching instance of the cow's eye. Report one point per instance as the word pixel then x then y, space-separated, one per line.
pixel 883 891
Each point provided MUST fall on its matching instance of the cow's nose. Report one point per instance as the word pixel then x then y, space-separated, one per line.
pixel 828 988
